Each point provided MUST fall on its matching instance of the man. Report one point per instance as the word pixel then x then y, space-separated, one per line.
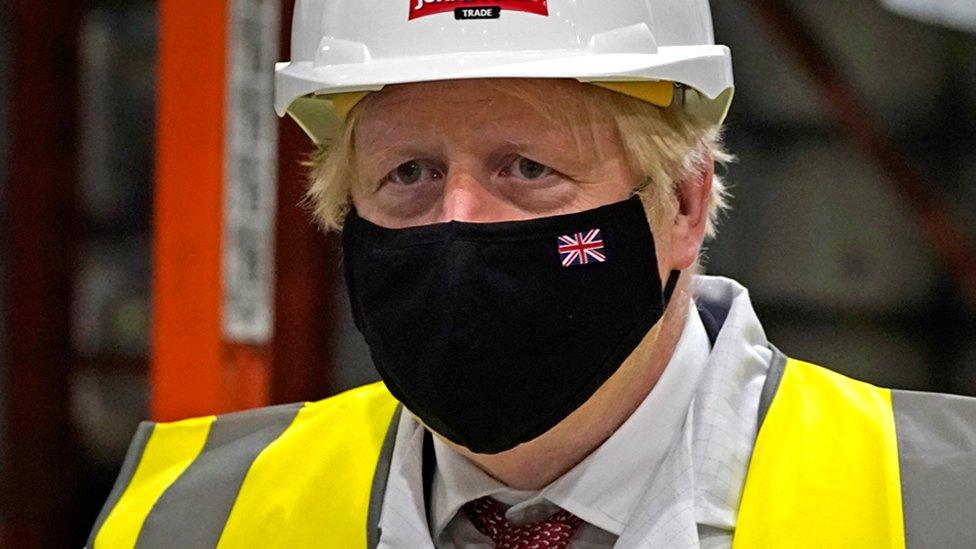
pixel 523 189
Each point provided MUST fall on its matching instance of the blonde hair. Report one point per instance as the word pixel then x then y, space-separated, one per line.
pixel 664 146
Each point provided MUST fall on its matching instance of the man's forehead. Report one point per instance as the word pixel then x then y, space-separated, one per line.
pixel 520 109
pixel 518 97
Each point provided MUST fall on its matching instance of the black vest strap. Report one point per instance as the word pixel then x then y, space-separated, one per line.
pixel 712 326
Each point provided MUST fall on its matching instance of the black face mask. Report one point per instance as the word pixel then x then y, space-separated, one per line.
pixel 492 333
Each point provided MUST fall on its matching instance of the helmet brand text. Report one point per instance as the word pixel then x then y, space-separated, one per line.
pixel 476 9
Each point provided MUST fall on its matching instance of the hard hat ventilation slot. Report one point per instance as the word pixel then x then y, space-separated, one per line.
pixel 632 39
pixel 334 51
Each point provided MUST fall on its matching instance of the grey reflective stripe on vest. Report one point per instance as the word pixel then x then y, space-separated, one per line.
pixel 937 460
pixel 192 512
pixel 132 458
pixel 773 378
pixel 380 477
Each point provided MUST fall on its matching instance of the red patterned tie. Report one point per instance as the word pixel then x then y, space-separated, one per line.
pixel 553 533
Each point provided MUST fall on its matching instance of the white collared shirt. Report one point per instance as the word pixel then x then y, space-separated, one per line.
pixel 671 475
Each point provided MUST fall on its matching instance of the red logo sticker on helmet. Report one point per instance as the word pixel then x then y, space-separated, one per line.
pixel 476 9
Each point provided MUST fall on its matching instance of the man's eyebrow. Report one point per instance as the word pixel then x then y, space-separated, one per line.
pixel 383 158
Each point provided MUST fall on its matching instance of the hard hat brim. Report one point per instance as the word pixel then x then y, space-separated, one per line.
pixel 706 69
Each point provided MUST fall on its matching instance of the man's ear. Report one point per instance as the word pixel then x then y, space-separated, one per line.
pixel 691 219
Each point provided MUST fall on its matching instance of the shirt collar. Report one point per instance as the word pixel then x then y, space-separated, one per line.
pixel 605 487
pixel 726 406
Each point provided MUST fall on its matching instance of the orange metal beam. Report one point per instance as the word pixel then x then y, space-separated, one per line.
pixel 193 371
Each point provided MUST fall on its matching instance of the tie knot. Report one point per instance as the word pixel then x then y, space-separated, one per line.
pixel 488 516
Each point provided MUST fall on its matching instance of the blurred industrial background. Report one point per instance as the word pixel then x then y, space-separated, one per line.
pixel 155 262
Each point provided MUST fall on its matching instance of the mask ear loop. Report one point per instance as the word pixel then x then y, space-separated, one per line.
pixel 670 286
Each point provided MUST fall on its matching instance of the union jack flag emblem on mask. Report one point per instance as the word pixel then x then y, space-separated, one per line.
pixel 581 248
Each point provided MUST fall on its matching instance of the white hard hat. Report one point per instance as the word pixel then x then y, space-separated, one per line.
pixel 343 49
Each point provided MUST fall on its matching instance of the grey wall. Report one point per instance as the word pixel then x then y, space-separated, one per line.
pixel 835 259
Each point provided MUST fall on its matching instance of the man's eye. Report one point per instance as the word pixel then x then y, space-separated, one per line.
pixel 525 168
pixel 413 172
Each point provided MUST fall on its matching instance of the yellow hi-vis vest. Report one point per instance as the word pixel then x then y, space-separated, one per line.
pixel 837 463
